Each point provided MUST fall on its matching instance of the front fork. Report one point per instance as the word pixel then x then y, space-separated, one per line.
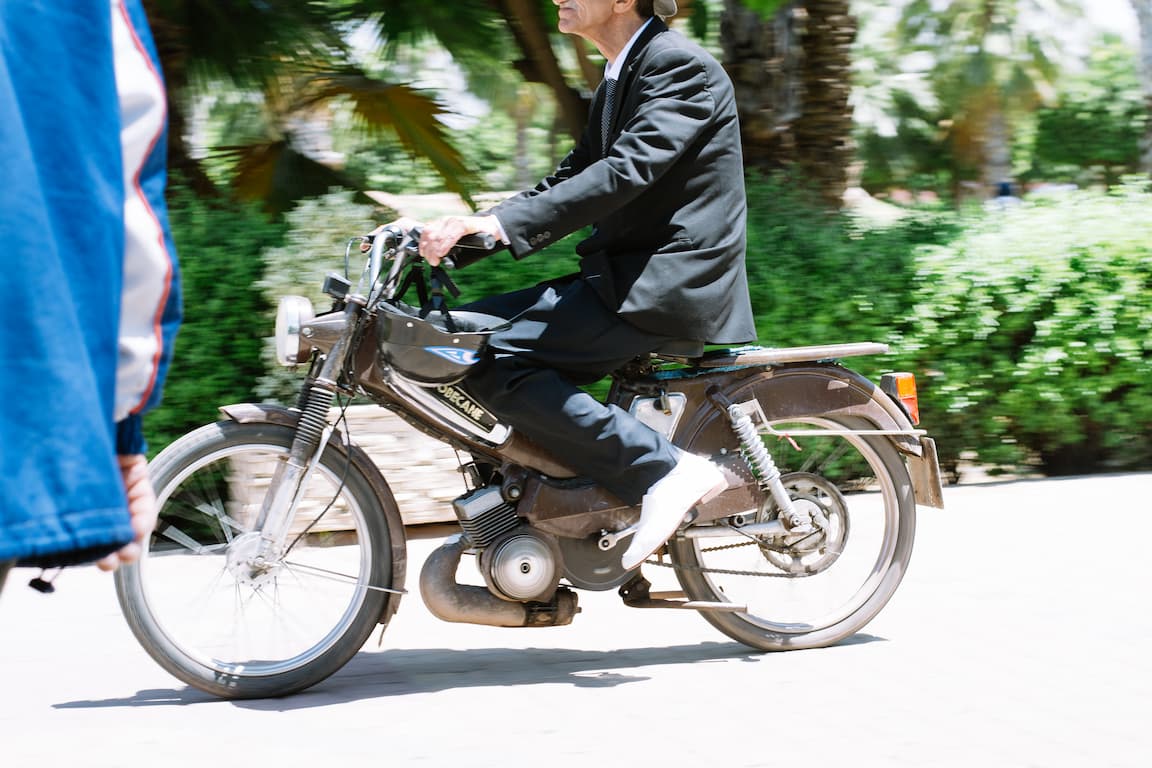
pixel 312 434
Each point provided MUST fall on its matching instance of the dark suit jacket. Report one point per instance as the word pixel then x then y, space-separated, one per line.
pixel 667 200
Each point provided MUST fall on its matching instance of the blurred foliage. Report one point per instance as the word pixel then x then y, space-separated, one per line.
pixel 765 8
pixel 950 97
pixel 1036 331
pixel 914 156
pixel 824 277
pixel 1092 133
pixel 502 155
pixel 315 242
pixel 1029 329
pixel 217 356
pixel 990 65
pixel 293 61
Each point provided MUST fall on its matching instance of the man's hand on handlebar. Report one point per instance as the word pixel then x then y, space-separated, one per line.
pixel 440 236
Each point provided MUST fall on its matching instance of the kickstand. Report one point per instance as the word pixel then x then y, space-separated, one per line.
pixel 637 593
pixel 635 590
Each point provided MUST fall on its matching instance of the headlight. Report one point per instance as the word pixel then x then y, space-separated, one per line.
pixel 291 315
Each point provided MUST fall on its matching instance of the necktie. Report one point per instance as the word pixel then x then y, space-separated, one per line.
pixel 606 114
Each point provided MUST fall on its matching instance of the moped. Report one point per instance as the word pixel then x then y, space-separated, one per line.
pixel 280 546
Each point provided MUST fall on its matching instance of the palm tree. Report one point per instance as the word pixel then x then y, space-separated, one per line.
pixel 790 63
pixel 824 131
pixel 533 27
pixel 297 56
pixel 762 56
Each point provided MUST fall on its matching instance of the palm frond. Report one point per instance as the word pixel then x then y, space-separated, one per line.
pixel 412 115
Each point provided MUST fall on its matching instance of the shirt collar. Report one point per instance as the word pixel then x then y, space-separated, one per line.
pixel 612 71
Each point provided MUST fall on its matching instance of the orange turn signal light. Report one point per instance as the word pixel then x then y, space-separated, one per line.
pixel 902 386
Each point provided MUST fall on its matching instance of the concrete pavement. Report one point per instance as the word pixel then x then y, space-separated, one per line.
pixel 1020 637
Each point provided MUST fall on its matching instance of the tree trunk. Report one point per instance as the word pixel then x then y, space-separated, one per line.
pixel 1144 18
pixel 762 56
pixel 539 63
pixel 997 151
pixel 824 131
pixel 792 75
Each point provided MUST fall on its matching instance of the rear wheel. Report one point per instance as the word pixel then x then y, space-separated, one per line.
pixel 215 615
pixel 817 589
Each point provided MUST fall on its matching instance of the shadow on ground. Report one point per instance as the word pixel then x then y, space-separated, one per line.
pixel 400 672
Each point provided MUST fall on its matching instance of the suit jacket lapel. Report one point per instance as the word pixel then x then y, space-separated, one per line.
pixel 628 73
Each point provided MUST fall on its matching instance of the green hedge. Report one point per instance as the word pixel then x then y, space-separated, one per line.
pixel 1030 329
pixel 216 359
pixel 820 277
pixel 1037 324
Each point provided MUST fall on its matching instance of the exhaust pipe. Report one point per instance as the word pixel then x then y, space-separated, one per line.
pixel 468 604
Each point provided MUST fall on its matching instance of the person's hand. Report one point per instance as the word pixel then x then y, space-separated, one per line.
pixel 441 235
pixel 404 223
pixel 141 508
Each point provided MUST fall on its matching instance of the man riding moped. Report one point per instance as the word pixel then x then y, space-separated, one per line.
pixel 658 174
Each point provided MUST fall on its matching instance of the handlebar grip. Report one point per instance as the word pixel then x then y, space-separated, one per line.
pixel 480 241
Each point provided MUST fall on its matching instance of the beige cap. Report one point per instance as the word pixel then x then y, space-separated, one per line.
pixel 664 7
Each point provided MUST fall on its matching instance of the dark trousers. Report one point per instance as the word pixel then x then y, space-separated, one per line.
pixel 562 335
pixel 4 568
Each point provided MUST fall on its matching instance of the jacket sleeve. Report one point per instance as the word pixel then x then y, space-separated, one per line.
pixel 675 106
pixel 151 302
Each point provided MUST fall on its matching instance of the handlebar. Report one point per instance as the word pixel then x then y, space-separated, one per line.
pixel 481 241
pixel 403 248
pixel 394 238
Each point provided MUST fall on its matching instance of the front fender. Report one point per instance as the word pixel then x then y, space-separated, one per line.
pixel 265 413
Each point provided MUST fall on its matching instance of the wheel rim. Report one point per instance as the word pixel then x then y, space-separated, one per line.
pixel 199 585
pixel 862 537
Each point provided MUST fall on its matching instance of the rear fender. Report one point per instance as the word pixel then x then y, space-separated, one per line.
pixel 264 413
pixel 815 389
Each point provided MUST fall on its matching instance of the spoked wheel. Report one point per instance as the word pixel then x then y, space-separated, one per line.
pixel 815 589
pixel 212 611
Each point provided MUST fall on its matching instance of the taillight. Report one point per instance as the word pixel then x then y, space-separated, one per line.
pixel 902 386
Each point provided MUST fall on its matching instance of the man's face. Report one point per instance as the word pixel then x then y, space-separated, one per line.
pixel 579 17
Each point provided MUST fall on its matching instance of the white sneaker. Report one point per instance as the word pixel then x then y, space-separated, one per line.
pixel 691 481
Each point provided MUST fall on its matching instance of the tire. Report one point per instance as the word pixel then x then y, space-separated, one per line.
pixel 859 485
pixel 219 627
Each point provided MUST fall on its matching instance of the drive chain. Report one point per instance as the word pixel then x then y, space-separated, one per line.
pixel 725 571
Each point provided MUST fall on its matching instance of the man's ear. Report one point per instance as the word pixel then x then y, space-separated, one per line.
pixel 624 6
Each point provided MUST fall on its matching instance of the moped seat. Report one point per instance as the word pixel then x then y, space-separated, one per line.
pixel 687 349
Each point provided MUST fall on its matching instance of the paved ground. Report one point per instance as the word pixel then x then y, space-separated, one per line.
pixel 1019 638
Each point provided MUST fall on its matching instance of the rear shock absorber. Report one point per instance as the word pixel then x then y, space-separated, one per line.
pixel 763 468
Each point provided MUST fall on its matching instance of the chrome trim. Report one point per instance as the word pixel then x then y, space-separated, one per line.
pixel 292 314
pixel 649 411
pixel 431 404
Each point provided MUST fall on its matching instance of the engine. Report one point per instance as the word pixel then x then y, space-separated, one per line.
pixel 484 515
pixel 518 563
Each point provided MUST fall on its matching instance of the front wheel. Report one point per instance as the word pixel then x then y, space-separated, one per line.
pixel 209 610
pixel 814 590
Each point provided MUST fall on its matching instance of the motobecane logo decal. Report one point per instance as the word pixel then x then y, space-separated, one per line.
pixel 455 355
pixel 462 402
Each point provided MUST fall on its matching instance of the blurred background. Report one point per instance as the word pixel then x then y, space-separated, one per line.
pixel 967 181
